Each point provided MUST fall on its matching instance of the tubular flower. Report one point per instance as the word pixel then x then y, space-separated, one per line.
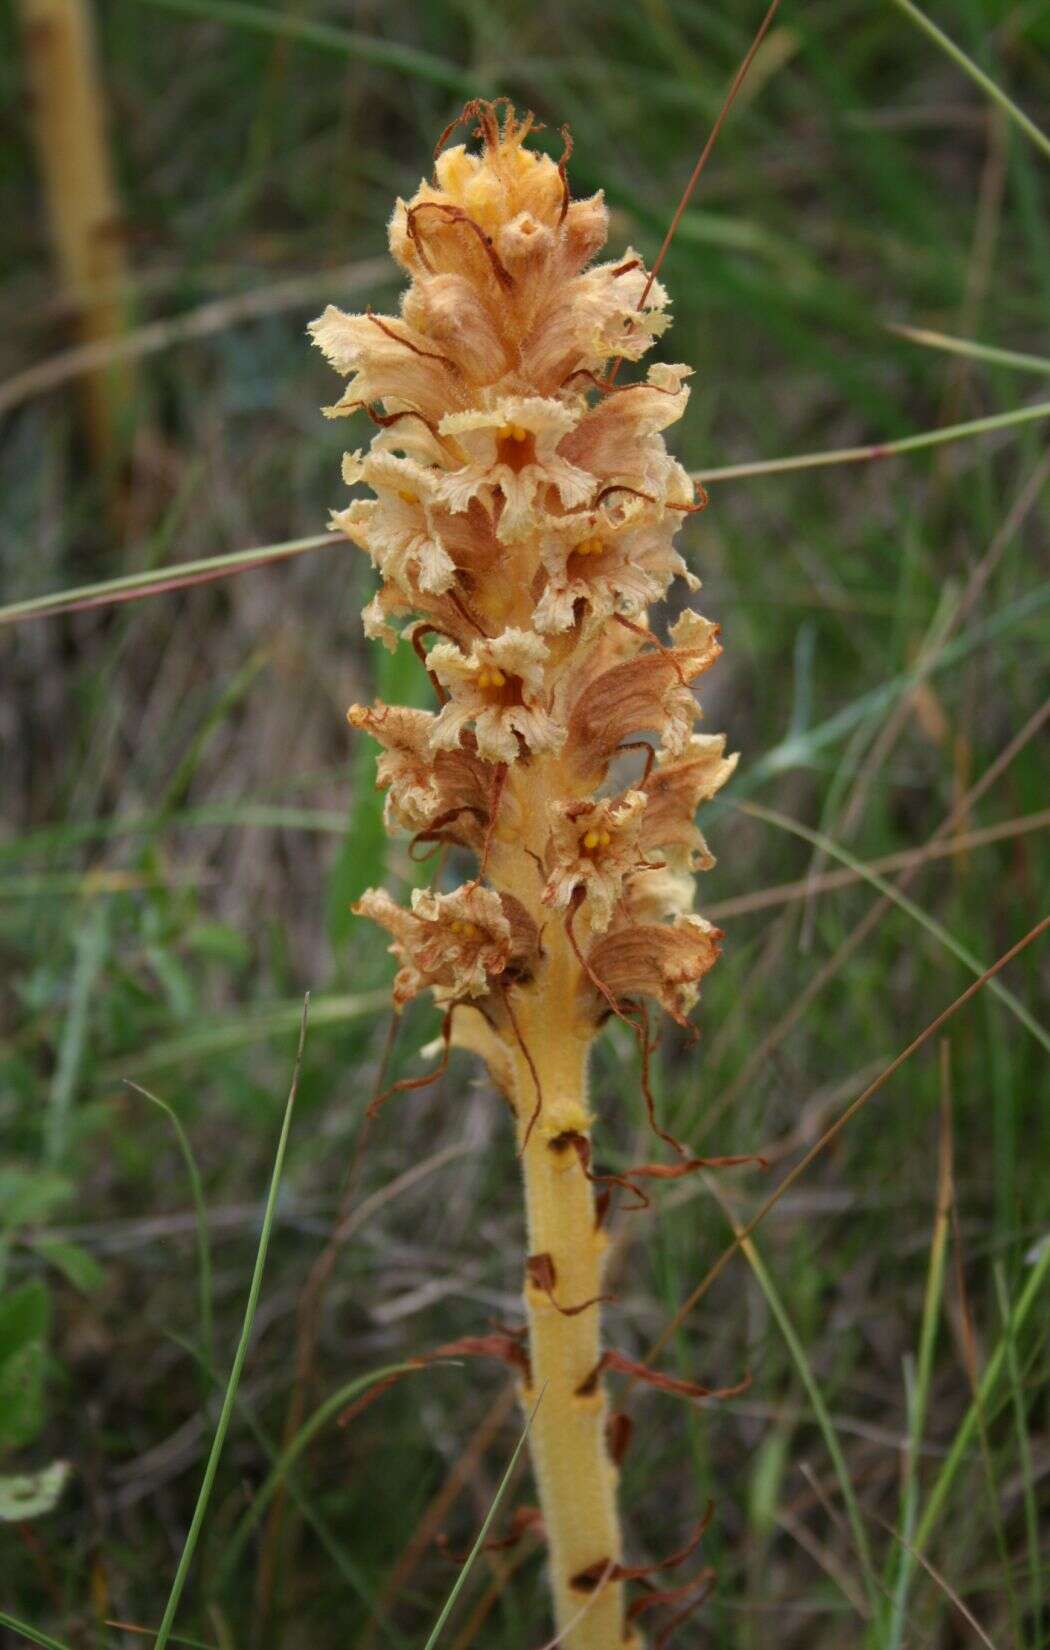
pixel 499 687
pixel 451 944
pixel 521 518
pixel 593 846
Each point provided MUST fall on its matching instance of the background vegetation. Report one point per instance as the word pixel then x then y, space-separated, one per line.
pixel 186 820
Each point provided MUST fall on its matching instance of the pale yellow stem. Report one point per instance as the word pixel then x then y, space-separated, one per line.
pixel 70 128
pixel 575 1476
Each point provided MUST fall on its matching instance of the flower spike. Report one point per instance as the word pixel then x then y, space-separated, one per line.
pixel 520 518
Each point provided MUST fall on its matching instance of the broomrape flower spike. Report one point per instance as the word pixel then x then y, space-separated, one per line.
pixel 521 521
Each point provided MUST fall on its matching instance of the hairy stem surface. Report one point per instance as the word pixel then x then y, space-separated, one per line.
pixel 575 1476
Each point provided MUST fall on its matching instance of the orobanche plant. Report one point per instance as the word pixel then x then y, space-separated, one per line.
pixel 522 521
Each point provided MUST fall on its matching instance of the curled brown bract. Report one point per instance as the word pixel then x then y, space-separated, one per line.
pixel 541 1271
pixel 652 1377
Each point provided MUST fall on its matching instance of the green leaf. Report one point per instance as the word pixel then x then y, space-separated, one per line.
pixel 22 1395
pixel 218 942
pixel 23 1317
pixel 77 1266
pixel 32 1494
pixel 29 1195
pixel 767 1477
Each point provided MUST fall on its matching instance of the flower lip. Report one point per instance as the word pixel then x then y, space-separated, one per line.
pixel 510 458
pixel 515 447
pixel 595 545
pixel 498 685
pixel 593 847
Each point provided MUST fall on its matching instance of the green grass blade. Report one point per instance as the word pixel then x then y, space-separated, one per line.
pixel 801 749
pixel 241 1031
pixel 287 1458
pixel 204 1274
pixel 222 1425
pixel 231 695
pixel 918 1397
pixel 91 945
pixel 460 1581
pixel 878 449
pixel 135 586
pixel 978 76
pixel 979 1404
pixel 46 1642
pixel 132 587
pixel 263 816
pixel 972 350
pixel 33 1634
pixel 365 48
pixel 340 1558
pixel 815 1396
pixel 1024 1451
pixel 176 1638
pixel 836 851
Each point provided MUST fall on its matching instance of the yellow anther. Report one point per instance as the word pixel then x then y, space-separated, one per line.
pixel 596 837
pixel 589 547
pixel 513 432
pixel 466 930
pixel 490 676
pixel 407 497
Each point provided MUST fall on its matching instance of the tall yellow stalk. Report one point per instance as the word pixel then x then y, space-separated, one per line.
pixel 522 522
pixel 69 122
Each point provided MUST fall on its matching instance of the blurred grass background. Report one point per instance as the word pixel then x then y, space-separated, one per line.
pixel 185 821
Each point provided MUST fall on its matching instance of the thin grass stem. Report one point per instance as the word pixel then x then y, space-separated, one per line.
pixel 200 1211
pixel 460 1581
pixel 834 850
pixel 820 1409
pixel 878 449
pixel 225 1413
pixel 977 75
pixel 971 349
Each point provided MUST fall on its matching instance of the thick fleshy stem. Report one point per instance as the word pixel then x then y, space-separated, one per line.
pixel 575 1475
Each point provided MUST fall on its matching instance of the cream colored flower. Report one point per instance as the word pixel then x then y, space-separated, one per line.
pixel 510 457
pixel 451 944
pixel 615 560
pixel 444 613
pixel 620 439
pixel 450 790
pixel 404 769
pixel 396 527
pixel 675 788
pixel 593 847
pixel 497 688
pixel 447 309
pixel 522 517
pixel 655 896
pixel 389 363
pixel 591 319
